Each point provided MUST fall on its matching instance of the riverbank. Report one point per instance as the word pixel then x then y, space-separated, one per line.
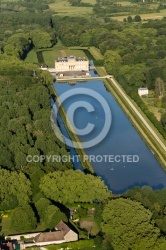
pixel 157 150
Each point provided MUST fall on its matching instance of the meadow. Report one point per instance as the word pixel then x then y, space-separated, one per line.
pixel 144 17
pixel 65 9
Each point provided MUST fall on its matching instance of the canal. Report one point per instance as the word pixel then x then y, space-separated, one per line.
pixel 122 159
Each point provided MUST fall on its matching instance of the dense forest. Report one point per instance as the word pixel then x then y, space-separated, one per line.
pixel 135 53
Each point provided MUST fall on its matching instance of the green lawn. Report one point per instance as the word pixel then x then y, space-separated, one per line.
pixel 101 71
pixel 50 56
pixel 75 52
pixel 96 53
pixel 63 7
pixel 31 57
pixel 6 229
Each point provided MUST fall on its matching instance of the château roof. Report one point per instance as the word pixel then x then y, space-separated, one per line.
pixel 70 58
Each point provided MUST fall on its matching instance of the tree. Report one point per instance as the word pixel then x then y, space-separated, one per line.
pixel 16 184
pixel 112 61
pixel 23 219
pixel 52 216
pixel 40 204
pixel 163 120
pixel 129 19
pixel 159 87
pixel 41 39
pixel 137 18
pixel 73 186
pixel 129 225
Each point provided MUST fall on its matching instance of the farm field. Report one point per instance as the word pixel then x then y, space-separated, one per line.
pixel 157 15
pixel 125 3
pixel 64 8
pixel 93 2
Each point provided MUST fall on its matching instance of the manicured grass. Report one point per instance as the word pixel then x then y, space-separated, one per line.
pixel 144 17
pixel 75 52
pixel 50 56
pixel 96 53
pixel 31 57
pixel 65 9
pixel 101 71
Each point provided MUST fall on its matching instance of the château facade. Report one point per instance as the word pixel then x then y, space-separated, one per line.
pixel 71 63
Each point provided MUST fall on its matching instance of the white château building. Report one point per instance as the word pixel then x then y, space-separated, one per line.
pixel 71 63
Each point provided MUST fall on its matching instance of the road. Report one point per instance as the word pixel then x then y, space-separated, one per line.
pixel 142 119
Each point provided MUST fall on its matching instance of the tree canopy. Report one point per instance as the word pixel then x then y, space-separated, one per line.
pixel 129 225
pixel 73 186
pixel 15 186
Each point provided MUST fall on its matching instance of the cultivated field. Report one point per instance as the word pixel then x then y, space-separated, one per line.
pixel 65 9
pixel 93 2
pixel 158 15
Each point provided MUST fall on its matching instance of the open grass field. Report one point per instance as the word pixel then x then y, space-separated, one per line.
pixel 93 2
pixel 64 8
pixel 144 17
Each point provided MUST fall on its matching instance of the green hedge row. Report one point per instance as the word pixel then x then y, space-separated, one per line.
pixel 40 57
